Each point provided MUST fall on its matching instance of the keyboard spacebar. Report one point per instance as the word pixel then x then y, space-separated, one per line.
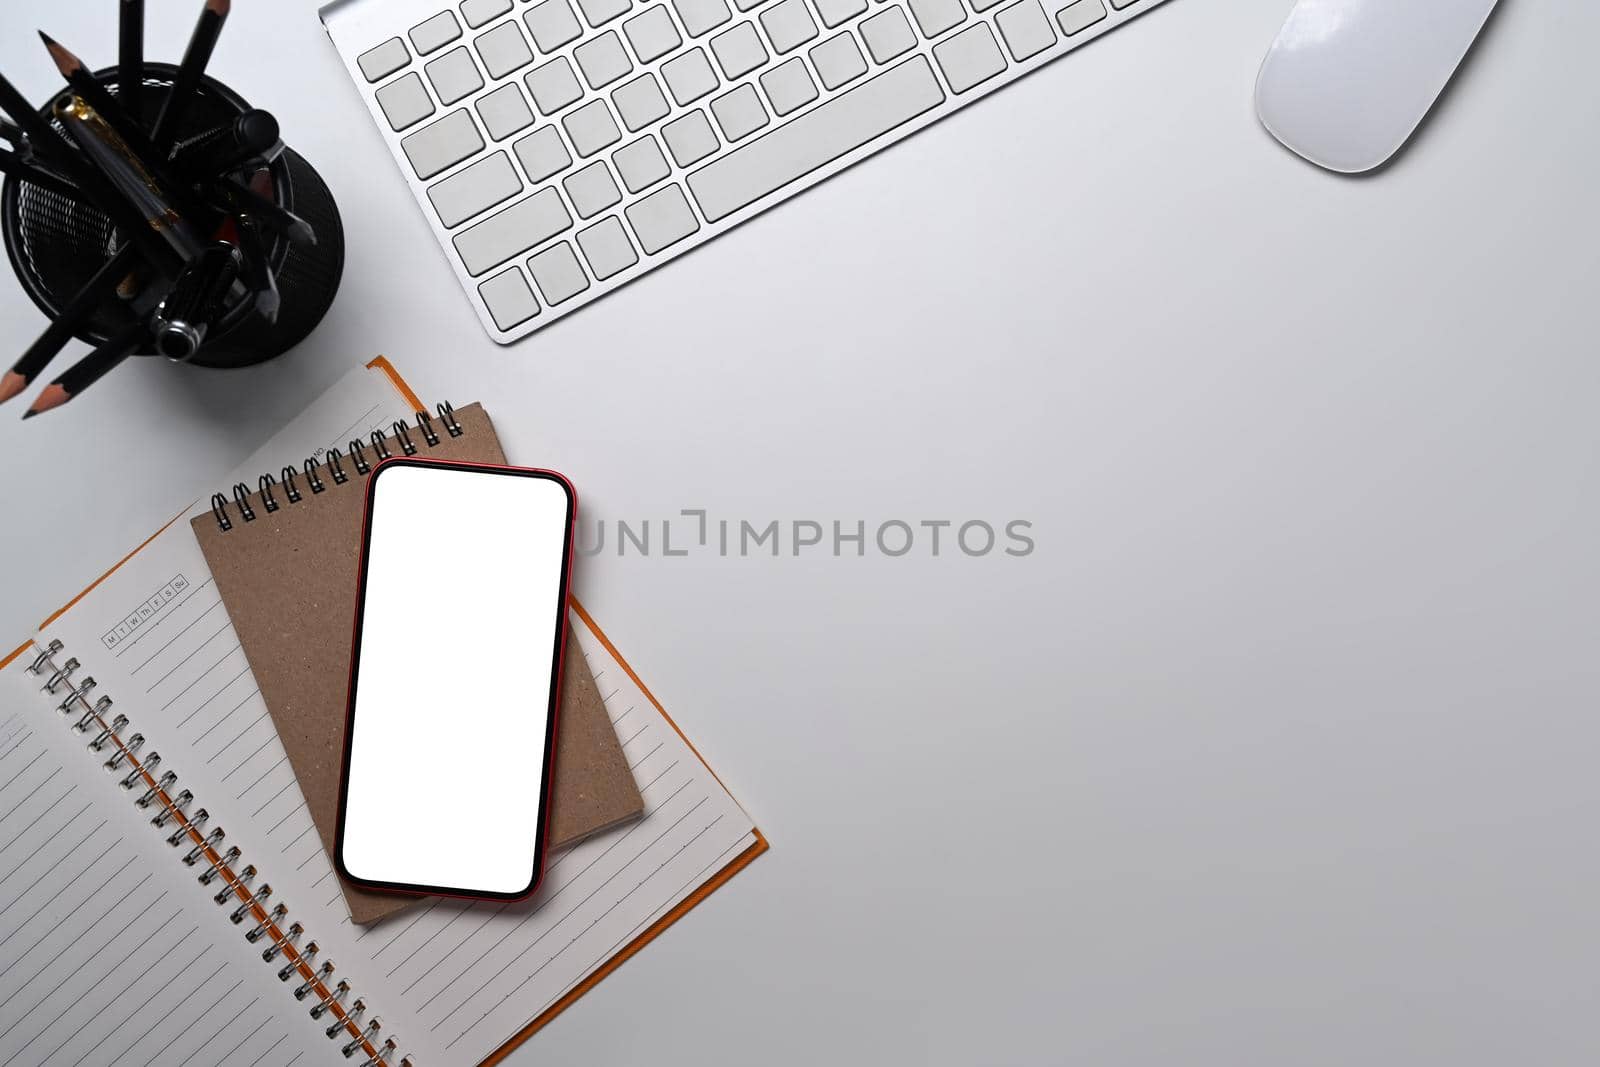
pixel 816 138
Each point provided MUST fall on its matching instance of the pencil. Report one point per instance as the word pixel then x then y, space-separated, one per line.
pixel 87 86
pixel 17 168
pixel 186 85
pixel 90 369
pixel 130 59
pixel 62 327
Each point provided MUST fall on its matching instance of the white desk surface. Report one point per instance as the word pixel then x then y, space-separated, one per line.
pixel 1278 749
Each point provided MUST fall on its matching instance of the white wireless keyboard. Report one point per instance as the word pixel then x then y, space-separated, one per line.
pixel 561 150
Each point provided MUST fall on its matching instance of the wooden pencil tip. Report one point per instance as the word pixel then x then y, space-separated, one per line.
pixel 53 396
pixel 65 61
pixel 12 384
pixel 219 7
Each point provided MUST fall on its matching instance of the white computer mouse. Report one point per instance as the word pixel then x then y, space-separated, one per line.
pixel 1348 81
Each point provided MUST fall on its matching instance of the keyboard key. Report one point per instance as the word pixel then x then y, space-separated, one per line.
pixel 482 12
pixel 504 49
pixel 983 5
pixel 475 190
pixel 384 60
pixel 739 50
pixel 662 219
pixel 970 57
pixel 690 138
pixel 552 24
pixel 504 111
pixel 591 128
pixel 789 25
pixel 509 298
pixel 591 189
pixel 553 85
pixel 640 164
pixel 652 33
pixel 748 5
pixel 838 60
pixel 837 12
pixel 454 76
pixel 607 248
pixel 602 59
pixel 936 16
pixel 599 12
pixel 440 146
pixel 542 153
pixel 518 228
pixel 640 102
pixel 823 134
pixel 1025 28
pixel 1120 4
pixel 689 76
pixel 739 113
pixel 558 273
pixel 1075 18
pixel 435 33
pixel 700 17
pixel 888 34
pixel 405 102
pixel 788 86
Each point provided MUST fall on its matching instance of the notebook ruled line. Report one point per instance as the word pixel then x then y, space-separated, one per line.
pixel 215 694
pixel 29 794
pixel 73 1002
pixel 138 975
pixel 230 713
pixel 202 984
pixel 191 685
pixel 214 1036
pixel 48 871
pixel 156 625
pixel 159 989
pixel 254 752
pixel 218 632
pixel 237 738
pixel 215 604
pixel 281 761
pixel 96 892
pixel 18 745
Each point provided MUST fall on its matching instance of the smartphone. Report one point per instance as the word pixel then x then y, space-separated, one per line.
pixel 455 672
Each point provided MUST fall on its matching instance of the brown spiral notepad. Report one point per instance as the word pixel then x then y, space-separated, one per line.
pixel 284 554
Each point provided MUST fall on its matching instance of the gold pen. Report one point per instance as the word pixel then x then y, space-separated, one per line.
pixel 111 154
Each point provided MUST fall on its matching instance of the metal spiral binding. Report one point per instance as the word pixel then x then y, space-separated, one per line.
pixel 188 828
pixel 363 455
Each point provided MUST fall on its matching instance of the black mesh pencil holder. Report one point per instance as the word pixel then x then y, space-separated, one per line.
pixel 56 244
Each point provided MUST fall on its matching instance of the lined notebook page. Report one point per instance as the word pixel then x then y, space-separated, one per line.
pixel 110 952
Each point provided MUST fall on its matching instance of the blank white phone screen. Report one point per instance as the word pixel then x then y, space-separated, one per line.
pixel 463 600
